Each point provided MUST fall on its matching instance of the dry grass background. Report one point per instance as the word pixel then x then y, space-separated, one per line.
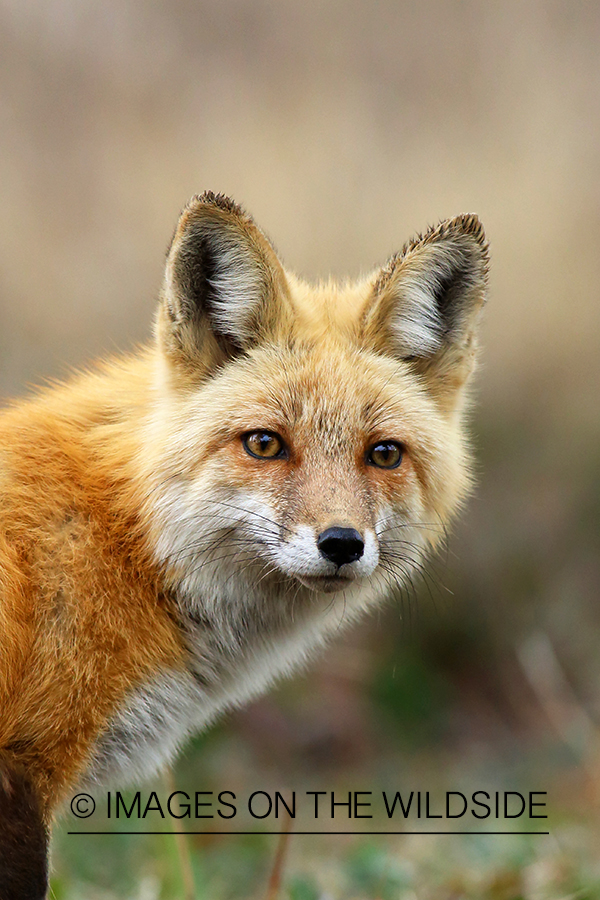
pixel 344 127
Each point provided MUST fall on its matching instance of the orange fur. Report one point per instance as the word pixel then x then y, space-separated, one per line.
pixel 83 616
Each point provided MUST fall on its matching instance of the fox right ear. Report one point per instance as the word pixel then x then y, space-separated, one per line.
pixel 425 305
pixel 222 282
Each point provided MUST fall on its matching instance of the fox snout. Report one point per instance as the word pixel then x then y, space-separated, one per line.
pixel 328 559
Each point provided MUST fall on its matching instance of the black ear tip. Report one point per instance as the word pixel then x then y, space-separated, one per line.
pixel 465 238
pixel 471 225
pixel 215 201
pixel 466 225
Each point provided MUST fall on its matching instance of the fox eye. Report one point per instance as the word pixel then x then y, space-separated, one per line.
pixel 264 445
pixel 385 455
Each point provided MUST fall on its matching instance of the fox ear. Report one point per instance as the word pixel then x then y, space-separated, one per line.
pixel 425 304
pixel 222 282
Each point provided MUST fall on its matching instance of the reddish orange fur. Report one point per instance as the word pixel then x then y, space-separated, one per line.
pixel 71 546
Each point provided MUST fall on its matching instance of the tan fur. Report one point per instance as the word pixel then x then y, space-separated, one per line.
pixel 126 493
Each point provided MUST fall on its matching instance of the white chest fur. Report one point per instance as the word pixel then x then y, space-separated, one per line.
pixel 225 668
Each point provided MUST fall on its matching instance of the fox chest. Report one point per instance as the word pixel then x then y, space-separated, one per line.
pixel 157 717
pixel 148 729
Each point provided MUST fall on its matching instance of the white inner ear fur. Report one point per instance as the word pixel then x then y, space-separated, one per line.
pixel 238 286
pixel 417 325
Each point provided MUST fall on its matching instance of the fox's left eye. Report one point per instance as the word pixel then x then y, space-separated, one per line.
pixel 264 445
pixel 385 455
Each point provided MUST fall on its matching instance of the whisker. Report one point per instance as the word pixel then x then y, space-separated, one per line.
pixel 252 512
pixel 339 625
pixel 206 545
pixel 433 587
pixel 212 560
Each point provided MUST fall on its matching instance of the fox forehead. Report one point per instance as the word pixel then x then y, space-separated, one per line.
pixel 312 392
pixel 328 309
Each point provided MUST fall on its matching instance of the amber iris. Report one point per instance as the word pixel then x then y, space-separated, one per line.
pixel 385 455
pixel 263 445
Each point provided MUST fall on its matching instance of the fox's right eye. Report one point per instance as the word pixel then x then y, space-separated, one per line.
pixel 264 445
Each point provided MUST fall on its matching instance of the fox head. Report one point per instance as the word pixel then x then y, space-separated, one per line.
pixel 308 437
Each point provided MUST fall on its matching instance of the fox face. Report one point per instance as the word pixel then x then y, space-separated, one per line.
pixel 306 441
pixel 330 466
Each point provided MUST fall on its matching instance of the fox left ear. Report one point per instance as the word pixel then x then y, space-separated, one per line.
pixel 224 290
pixel 426 301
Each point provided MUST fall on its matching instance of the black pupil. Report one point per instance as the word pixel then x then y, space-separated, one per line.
pixel 386 454
pixel 265 443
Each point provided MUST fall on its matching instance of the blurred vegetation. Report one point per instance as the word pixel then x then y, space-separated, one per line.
pixel 344 127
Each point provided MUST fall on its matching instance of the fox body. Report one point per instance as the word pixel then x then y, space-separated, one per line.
pixel 180 527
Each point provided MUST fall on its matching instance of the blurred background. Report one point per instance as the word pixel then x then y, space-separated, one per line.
pixel 344 127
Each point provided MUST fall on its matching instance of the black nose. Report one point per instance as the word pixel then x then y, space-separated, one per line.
pixel 341 545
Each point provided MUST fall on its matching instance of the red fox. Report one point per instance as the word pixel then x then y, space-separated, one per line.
pixel 180 527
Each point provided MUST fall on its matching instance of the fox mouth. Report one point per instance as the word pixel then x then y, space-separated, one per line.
pixel 327 584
